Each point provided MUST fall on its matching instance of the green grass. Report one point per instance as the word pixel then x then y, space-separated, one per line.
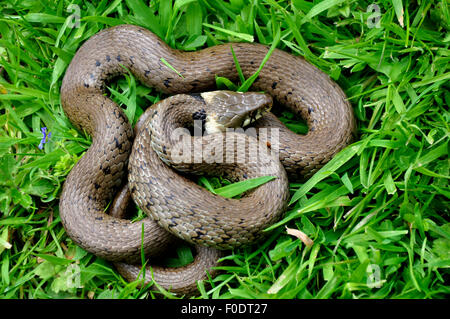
pixel 378 213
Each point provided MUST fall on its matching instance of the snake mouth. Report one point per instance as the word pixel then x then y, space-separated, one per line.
pixel 255 115
pixel 214 123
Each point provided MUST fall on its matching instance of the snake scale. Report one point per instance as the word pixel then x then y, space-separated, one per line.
pixel 177 206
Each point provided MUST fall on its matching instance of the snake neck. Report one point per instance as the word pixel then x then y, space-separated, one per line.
pixel 177 124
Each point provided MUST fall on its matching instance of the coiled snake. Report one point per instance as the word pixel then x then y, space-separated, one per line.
pixel 179 206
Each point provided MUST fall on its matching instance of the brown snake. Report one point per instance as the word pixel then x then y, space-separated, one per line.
pixel 91 184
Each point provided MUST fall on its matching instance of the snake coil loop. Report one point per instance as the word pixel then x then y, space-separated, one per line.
pixel 89 187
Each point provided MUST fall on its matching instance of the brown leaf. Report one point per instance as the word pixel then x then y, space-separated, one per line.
pixel 300 235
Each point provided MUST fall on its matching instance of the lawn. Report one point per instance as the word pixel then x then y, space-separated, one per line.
pixel 378 213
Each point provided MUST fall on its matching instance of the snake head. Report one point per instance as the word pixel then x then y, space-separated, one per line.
pixel 230 109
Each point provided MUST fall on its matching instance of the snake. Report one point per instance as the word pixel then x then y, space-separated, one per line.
pixel 177 207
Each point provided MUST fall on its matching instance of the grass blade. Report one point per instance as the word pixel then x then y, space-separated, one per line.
pixel 242 186
pixel 340 159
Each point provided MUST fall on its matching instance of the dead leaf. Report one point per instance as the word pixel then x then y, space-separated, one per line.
pixel 300 235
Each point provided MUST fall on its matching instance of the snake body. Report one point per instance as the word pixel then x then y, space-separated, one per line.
pixel 91 184
pixel 189 211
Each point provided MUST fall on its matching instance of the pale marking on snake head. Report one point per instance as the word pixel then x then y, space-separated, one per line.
pixel 212 126
pixel 234 109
